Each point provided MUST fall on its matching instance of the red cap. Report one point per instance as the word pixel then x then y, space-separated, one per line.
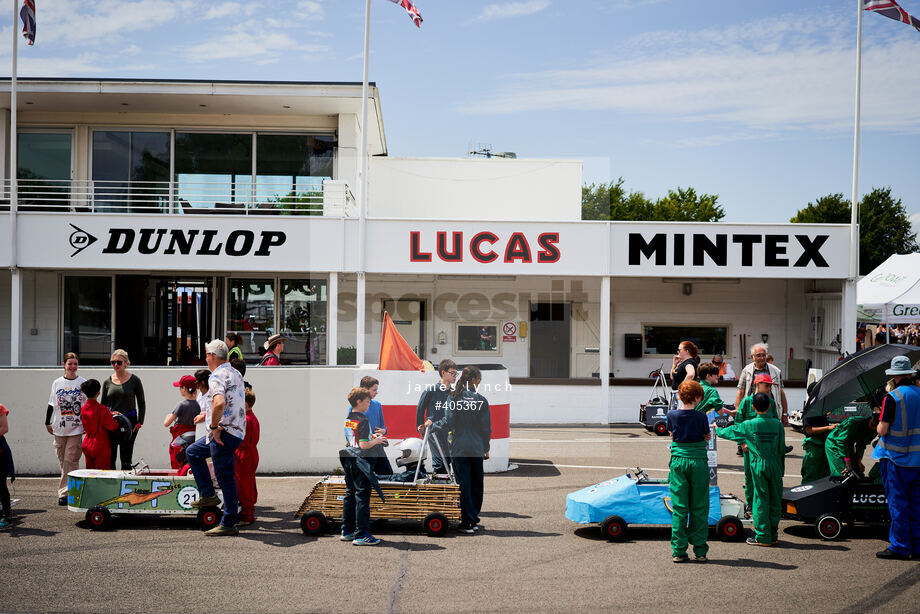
pixel 186 381
pixel 763 378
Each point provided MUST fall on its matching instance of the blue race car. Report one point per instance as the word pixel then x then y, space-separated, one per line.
pixel 625 500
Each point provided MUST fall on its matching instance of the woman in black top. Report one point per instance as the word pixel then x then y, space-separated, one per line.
pixel 685 368
pixel 123 392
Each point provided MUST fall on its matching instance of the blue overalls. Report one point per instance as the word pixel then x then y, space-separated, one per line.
pixel 898 453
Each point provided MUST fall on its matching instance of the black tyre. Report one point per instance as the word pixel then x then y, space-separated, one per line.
pixel 729 529
pixel 209 517
pixel 313 523
pixel 829 526
pixel 435 524
pixel 613 528
pixel 99 518
pixel 661 428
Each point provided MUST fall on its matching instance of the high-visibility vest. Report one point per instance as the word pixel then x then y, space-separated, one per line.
pixel 901 444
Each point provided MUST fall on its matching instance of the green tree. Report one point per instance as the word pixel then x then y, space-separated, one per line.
pixel 884 224
pixel 611 201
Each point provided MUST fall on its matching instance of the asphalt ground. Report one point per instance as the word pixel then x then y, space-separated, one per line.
pixel 528 557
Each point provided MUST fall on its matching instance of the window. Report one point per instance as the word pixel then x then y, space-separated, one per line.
pixel 663 340
pixel 478 338
pixel 213 170
pixel 130 171
pixel 43 169
pixel 303 313
pixel 88 318
pixel 290 169
pixel 251 313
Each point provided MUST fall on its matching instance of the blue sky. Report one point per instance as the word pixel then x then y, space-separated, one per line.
pixel 752 101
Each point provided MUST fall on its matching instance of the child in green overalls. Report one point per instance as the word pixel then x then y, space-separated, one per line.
pixel 766 455
pixel 846 444
pixel 762 384
pixel 689 475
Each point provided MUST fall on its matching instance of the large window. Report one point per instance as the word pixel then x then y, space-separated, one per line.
pixel 662 340
pixel 290 170
pixel 88 318
pixel 43 169
pixel 300 316
pixel 213 170
pixel 131 171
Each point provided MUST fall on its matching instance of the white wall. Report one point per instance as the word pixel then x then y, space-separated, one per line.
pixel 476 189
pixel 6 290
pixel 299 411
pixel 40 312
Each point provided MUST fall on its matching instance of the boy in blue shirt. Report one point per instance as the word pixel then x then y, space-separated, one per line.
pixel 356 507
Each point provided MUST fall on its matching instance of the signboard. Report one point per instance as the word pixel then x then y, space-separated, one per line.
pixel 509 332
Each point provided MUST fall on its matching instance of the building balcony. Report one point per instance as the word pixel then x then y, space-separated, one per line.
pixel 324 197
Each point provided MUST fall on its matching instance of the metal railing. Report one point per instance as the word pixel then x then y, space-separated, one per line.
pixel 323 198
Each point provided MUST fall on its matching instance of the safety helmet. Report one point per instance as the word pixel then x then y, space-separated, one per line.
pixel 410 451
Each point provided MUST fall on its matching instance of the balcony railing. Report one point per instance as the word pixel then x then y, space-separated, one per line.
pixel 325 198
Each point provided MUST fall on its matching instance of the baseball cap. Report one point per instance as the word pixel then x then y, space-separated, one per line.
pixel 186 381
pixel 763 378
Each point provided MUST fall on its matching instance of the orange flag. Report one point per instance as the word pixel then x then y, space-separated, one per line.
pixel 395 353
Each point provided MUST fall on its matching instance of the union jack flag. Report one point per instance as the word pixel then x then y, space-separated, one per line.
pixel 414 15
pixel 891 10
pixel 27 14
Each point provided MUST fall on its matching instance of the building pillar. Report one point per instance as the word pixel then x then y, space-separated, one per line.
pixel 15 317
pixel 604 356
pixel 359 320
pixel 848 317
pixel 332 320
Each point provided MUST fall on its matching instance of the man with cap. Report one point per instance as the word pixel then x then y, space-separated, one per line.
pixel 898 453
pixel 273 348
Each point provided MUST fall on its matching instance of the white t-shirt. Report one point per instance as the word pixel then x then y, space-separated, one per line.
pixel 66 400
pixel 227 381
pixel 204 402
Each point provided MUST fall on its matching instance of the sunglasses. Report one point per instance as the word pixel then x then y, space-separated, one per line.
pixel 118 362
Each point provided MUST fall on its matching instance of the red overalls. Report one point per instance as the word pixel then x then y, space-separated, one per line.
pixel 176 430
pixel 97 420
pixel 247 461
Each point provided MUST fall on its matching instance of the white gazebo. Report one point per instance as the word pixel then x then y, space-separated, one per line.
pixel 891 293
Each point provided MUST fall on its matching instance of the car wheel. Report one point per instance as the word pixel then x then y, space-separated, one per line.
pixel 435 525
pixel 209 517
pixel 99 518
pixel 661 428
pixel 729 529
pixel 613 528
pixel 313 523
pixel 829 526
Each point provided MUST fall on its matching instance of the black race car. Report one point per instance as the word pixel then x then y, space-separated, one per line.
pixel 832 502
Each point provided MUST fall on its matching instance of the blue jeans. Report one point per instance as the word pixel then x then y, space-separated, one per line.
pixel 902 489
pixel 356 507
pixel 438 463
pixel 469 474
pixel 224 462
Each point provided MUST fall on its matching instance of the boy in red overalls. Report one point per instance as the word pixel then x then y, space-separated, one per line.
pixel 181 419
pixel 97 421
pixel 247 461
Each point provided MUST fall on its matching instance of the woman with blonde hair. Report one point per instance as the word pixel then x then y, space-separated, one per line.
pixel 123 393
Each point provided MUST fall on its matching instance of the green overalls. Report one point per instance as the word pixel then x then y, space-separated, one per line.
pixel 766 455
pixel 746 412
pixel 689 480
pixel 814 458
pixel 849 439
pixel 711 399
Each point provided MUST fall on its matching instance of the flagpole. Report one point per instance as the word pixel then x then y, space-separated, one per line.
pixel 16 289
pixel 848 343
pixel 362 202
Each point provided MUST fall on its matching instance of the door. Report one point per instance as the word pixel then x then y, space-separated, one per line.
pixel 550 339
pixel 408 316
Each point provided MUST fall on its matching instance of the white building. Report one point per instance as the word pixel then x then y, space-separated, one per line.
pixel 156 215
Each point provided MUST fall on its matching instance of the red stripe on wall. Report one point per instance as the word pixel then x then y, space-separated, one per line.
pixel 400 420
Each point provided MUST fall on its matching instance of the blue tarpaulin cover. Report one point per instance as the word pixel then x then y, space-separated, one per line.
pixel 643 503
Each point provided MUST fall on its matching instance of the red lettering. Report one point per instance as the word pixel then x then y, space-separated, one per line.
pixel 476 251
pixel 518 248
pixel 457 254
pixel 415 252
pixel 549 253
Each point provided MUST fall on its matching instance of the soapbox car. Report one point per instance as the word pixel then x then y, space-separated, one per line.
pixel 832 502
pixel 415 495
pixel 100 494
pixel 626 500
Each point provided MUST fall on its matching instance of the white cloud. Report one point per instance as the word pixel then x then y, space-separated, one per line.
pixel 225 9
pixel 512 9
pixel 244 44
pixel 74 22
pixel 310 9
pixel 915 223
pixel 754 78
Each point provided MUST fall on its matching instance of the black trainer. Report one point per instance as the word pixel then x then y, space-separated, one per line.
pixel 887 553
